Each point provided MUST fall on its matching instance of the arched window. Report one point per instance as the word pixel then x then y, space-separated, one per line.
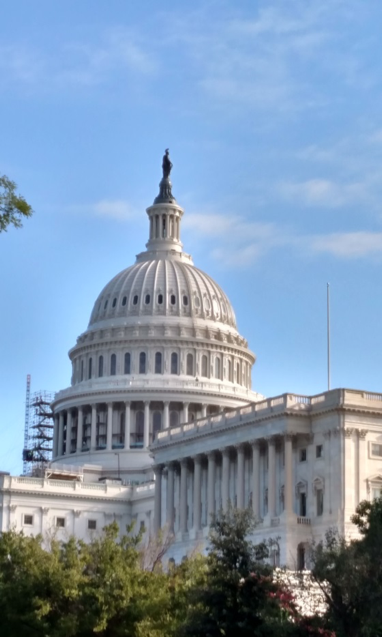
pixel 135 299
pixel 229 371
pixel 238 374
pixel 204 366
pixel 157 423
pixel 105 306
pixel 113 365
pixel 142 363
pixel 100 366
pixel 160 299
pixel 139 428
pixel 82 371
pixel 147 299
pixel 174 363
pixel 174 419
pixel 124 300
pixel 158 363
pixel 185 300
pixel 90 364
pixel 127 365
pixel 217 368
pixel 114 302
pixel 190 365
pixel 172 299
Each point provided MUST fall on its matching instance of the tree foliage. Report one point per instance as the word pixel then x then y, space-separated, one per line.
pixel 350 574
pixel 13 207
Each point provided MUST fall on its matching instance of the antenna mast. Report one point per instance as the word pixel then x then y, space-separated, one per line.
pixel 26 422
pixel 328 329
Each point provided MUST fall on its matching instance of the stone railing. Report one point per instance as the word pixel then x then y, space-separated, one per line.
pixel 75 485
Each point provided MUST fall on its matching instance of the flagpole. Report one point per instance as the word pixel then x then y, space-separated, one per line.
pixel 328 329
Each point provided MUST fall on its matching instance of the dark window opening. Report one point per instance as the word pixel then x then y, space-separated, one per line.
pixel 124 300
pixel 319 451
pixel 302 455
pixel 135 299
pixel 204 366
pixel 82 370
pixel 28 519
pixel 92 525
pixel 114 302
pixel 172 299
pixel 127 368
pixel 320 501
pixel 147 299
pixel 160 299
pixel 190 365
pixel 157 423
pixel 303 505
pixel 100 366
pixel 185 300
pixel 105 306
pixel 174 363
pixel 113 365
pixel 60 522
pixel 158 363
pixel 142 363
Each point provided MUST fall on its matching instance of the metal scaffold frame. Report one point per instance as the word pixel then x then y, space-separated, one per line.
pixel 38 432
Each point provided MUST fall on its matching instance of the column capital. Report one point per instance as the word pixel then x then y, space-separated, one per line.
pixel 239 447
pixel 183 462
pixel 211 454
pixel 271 440
pixel 110 404
pixel 362 433
pixel 147 403
pixel 127 403
pixel 255 443
pixel 158 468
pixel 225 451
pixel 80 408
pixel 166 403
pixel 186 404
pixel 289 435
pixel 197 458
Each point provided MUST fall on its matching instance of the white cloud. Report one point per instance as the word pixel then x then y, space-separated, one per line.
pixel 348 245
pixel 324 192
pixel 117 209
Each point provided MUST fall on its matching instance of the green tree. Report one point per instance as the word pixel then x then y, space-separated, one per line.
pixel 13 207
pixel 238 595
pixel 350 575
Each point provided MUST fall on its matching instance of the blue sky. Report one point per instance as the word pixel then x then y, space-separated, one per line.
pixel 272 111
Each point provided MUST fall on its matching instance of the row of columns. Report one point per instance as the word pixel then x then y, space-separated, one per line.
pixel 164 226
pixel 225 475
pixel 58 436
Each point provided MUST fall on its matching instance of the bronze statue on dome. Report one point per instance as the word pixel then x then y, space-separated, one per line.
pixel 166 164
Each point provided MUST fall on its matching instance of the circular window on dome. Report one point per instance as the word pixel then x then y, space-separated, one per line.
pixel 135 299
pixel 124 300
pixel 172 299
pixel 197 301
pixel 147 299
pixel 114 302
pixel 105 306
pixel 185 300
pixel 160 299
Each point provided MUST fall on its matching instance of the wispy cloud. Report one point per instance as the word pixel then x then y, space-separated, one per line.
pixel 76 63
pixel 324 192
pixel 240 243
pixel 116 209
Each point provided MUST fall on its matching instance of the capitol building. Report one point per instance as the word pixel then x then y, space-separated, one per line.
pixel 160 424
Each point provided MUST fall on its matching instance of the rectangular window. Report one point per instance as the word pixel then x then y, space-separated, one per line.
pixel 376 450
pixel 92 525
pixel 28 520
pixel 303 505
pixel 60 522
pixel 376 493
pixel 319 451
pixel 302 455
pixel 320 501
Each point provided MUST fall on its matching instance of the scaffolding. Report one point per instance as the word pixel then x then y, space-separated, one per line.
pixel 38 442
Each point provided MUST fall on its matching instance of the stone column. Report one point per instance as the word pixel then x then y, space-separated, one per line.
pixel 204 411
pixel 55 435
pixel 127 424
pixel 60 450
pixel 256 479
pixel 271 477
pixel 225 478
pixel 69 422
pixel 93 428
pixel 362 463
pixel 183 495
pixel 288 480
pixel 240 477
pixel 166 415
pixel 158 498
pixel 109 427
pixel 185 412
pixel 197 491
pixel 170 497
pixel 146 430
pixel 80 425
pixel 211 486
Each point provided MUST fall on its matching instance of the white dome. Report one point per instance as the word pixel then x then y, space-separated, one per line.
pixel 162 287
